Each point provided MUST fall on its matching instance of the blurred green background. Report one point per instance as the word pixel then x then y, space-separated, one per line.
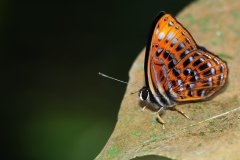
pixel 55 106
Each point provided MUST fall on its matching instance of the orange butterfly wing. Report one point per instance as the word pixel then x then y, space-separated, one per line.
pixel 201 74
pixel 171 52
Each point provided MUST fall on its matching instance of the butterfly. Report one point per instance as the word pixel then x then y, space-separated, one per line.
pixel 177 69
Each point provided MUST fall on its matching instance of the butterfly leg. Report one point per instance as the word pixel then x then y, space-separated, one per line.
pixel 175 108
pixel 144 108
pixel 159 118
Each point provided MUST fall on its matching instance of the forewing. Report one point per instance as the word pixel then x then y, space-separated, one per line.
pixel 169 42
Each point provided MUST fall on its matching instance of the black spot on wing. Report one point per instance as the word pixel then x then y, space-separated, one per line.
pixel 187 71
pixel 172 64
pixel 166 53
pixel 174 83
pixel 207 73
pixel 176 72
pixel 190 93
pixel 170 57
pixel 183 54
pixel 204 66
pixel 187 61
pixel 159 51
pixel 221 68
pixel 220 79
pixel 180 46
pixel 197 62
pixel 200 92
pixel 197 54
pixel 194 77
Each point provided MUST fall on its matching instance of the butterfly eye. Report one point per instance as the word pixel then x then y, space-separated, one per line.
pixel 143 94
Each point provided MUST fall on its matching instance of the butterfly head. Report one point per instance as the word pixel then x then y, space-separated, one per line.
pixel 146 98
pixel 144 94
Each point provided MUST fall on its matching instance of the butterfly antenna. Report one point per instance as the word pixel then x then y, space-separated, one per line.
pixel 135 92
pixel 118 80
pixel 115 79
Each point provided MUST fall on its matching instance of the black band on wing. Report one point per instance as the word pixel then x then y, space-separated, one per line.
pixel 148 45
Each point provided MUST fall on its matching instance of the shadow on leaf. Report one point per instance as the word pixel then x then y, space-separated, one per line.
pixel 152 157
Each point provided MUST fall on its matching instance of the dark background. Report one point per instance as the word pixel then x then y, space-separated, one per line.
pixel 55 106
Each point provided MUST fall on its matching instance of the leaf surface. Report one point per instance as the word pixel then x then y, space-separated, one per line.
pixel 214 130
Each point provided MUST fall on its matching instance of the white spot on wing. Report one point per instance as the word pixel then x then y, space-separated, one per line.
pixel 206 55
pixel 170 23
pixel 170 36
pixel 175 40
pixel 157 30
pixel 203 93
pixel 209 64
pixel 215 59
pixel 191 86
pixel 190 58
pixel 210 81
pixel 161 36
pixel 180 84
pixel 213 71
